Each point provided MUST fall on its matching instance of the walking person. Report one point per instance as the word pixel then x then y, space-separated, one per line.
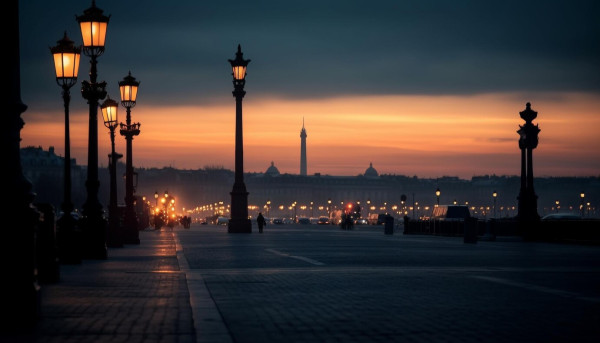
pixel 260 220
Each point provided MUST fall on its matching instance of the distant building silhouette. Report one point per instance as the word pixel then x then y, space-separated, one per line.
pixel 44 169
pixel 371 172
pixel 272 170
pixel 303 150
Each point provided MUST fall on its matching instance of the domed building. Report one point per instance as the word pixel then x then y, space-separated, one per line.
pixel 272 170
pixel 371 172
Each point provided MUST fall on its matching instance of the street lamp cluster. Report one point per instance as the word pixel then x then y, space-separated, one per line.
pixel 93 25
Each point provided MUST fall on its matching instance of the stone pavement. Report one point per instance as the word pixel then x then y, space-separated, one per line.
pixel 138 294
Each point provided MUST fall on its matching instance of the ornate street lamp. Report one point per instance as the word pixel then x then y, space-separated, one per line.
pixel 239 222
pixel 437 194
pixel 66 65
pixel 129 89
pixel 528 140
pixel 109 114
pixel 156 198
pixel 581 207
pixel 93 25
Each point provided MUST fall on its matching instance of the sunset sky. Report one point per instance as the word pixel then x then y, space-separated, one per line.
pixel 426 88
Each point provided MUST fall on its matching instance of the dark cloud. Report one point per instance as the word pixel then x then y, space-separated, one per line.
pixel 179 49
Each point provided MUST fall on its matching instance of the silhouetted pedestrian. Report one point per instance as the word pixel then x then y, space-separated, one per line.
pixel 260 220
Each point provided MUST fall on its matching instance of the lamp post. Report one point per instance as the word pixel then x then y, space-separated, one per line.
pixel 21 305
pixel 268 207
pixel 239 222
pixel 437 194
pixel 109 114
pixel 528 140
pixel 329 207
pixel 494 195
pixel 128 89
pixel 581 207
pixel 295 206
pixel 66 65
pixel 93 26
pixel 163 201
pixel 156 198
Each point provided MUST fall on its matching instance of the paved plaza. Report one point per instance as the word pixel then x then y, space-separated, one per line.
pixel 322 284
pixel 313 283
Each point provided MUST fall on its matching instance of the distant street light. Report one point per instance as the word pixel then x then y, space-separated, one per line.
pixel 109 114
pixel 268 207
pixel 129 89
pixel 239 222
pixel 93 26
pixel 156 198
pixel 494 195
pixel 66 64
pixel 437 194
pixel 581 207
pixel 294 205
pixel 557 205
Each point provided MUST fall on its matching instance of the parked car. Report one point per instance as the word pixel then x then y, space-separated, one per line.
pixel 303 220
pixel 278 221
pixel 222 221
pixel 323 221
pixel 451 212
pixel 361 221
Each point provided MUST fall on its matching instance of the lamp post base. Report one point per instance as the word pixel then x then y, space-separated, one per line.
pixel 68 237
pixel 94 238
pixel 239 226
pixel 131 234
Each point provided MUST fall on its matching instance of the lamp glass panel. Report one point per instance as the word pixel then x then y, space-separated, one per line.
pixel 93 33
pixel 128 93
pixel 110 114
pixel 66 65
pixel 239 72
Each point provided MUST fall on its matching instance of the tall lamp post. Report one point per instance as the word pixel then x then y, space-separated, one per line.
pixel 21 305
pixel 437 195
pixel 93 26
pixel 109 114
pixel 528 140
pixel 239 222
pixel 129 88
pixel 582 207
pixel 156 198
pixel 494 195
pixel 66 65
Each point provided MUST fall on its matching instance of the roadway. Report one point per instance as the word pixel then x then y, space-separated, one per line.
pixel 313 283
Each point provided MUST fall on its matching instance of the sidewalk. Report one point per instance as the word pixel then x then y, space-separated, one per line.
pixel 138 294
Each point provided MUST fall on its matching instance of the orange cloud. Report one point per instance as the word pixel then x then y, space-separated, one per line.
pixel 428 136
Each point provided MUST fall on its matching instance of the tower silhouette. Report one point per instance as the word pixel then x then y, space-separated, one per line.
pixel 303 150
